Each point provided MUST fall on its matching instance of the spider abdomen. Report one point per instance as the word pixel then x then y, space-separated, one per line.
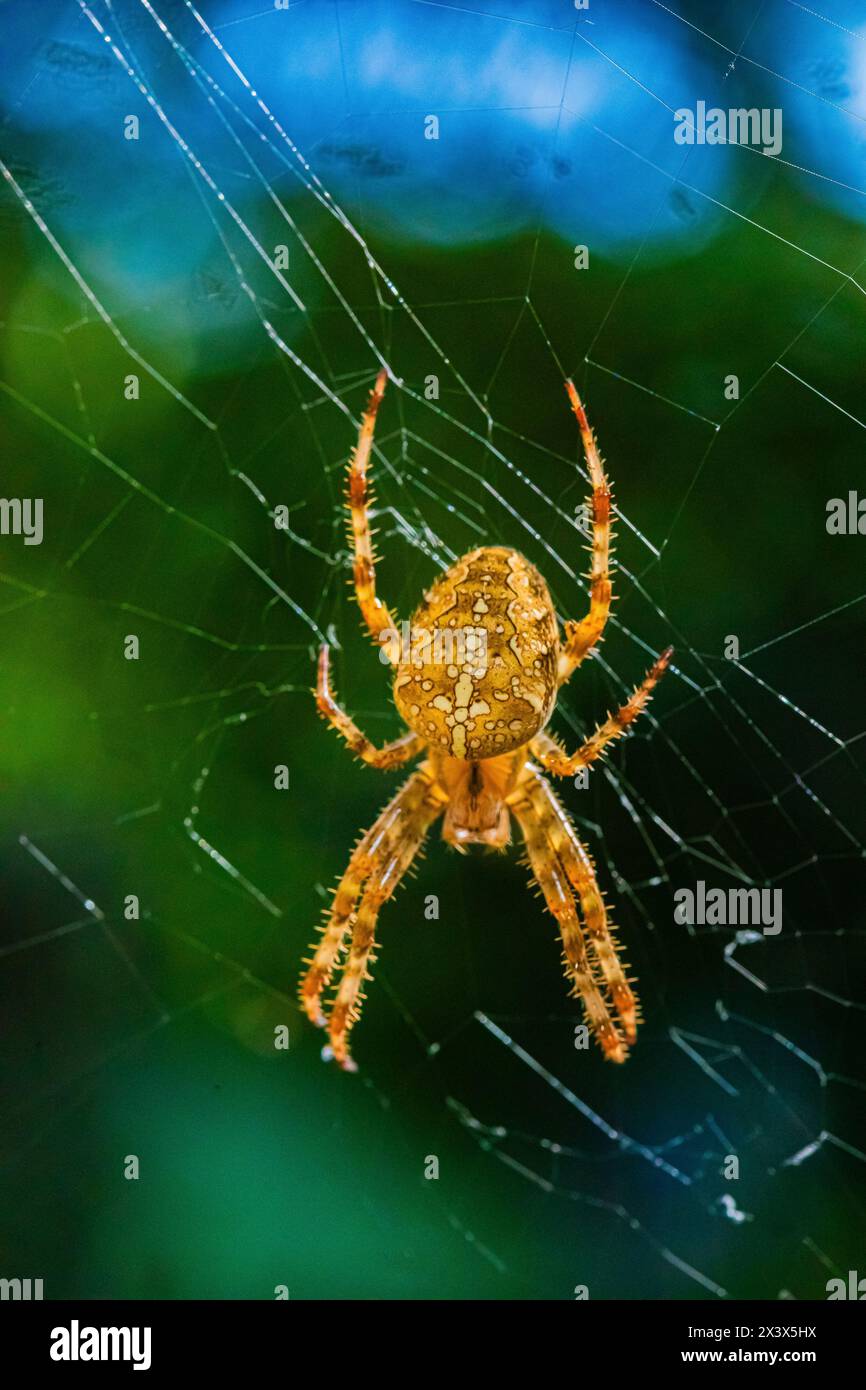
pixel 480 676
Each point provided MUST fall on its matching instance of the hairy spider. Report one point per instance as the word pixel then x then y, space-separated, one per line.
pixel 480 715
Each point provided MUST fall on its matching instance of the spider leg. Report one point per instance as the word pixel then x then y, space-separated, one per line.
pixel 581 637
pixel 375 612
pixel 337 923
pixel 391 755
pixel 578 865
pixel 392 859
pixel 543 832
pixel 561 764
pixel 380 859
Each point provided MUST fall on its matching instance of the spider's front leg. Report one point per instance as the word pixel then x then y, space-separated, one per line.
pixel 548 833
pixel 572 854
pixel 380 860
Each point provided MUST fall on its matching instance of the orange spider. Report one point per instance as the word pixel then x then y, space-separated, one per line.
pixel 480 714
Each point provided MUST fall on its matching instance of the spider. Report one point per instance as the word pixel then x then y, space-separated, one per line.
pixel 480 716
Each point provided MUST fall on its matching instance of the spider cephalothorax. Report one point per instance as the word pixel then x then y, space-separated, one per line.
pixel 476 683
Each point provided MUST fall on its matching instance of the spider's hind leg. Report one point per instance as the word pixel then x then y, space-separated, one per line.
pixel 581 637
pixel 377 617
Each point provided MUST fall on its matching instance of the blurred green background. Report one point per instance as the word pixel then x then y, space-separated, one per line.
pixel 261 1167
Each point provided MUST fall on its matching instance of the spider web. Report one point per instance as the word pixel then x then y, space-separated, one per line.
pixel 154 1035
